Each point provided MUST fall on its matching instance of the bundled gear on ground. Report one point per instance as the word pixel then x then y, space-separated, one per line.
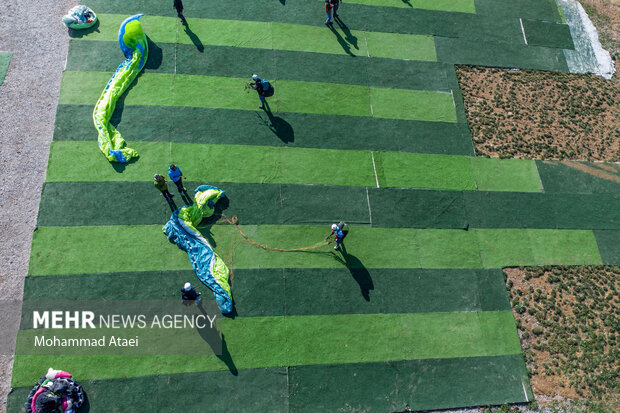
pixel 55 392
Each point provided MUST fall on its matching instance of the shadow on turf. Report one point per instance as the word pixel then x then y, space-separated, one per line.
pixel 358 271
pixel 156 56
pixel 345 45
pixel 195 39
pixel 407 2
pixel 348 35
pixel 217 344
pixel 281 128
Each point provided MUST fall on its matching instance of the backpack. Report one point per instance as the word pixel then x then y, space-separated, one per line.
pixel 267 88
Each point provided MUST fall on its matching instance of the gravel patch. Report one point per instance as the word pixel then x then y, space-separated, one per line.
pixel 32 30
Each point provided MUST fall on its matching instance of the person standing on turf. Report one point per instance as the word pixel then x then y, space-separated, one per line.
pixel 329 7
pixel 189 294
pixel 263 88
pixel 178 5
pixel 160 183
pixel 176 176
pixel 338 233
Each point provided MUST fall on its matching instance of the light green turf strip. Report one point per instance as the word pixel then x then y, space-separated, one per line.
pixel 165 89
pixel 99 249
pixel 410 170
pixel 459 6
pixel 279 36
pixel 509 247
pixel 216 163
pixel 307 340
pixel 515 175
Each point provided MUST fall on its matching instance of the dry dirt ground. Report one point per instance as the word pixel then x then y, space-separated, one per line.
pixel 568 320
pixel 605 15
pixel 542 115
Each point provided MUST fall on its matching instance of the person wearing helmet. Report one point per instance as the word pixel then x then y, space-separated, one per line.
pixel 338 233
pixel 160 183
pixel 189 294
pixel 176 176
pixel 263 88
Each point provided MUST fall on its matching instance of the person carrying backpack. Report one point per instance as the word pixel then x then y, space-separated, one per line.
pixel 263 88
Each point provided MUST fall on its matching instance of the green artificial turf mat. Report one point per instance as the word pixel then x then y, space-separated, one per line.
pixel 400 46
pixel 268 35
pixel 257 342
pixel 548 34
pixel 417 208
pixel 409 383
pixel 5 60
pixel 461 6
pixel 254 390
pixel 532 9
pixel 512 247
pixel 412 104
pixel 572 247
pixel 300 291
pixel 459 250
pixel 522 210
pixel 416 385
pixel 113 248
pixel 290 96
pixel 609 246
pixel 215 163
pixel 409 170
pixel 480 52
pixel 579 177
pixel 235 127
pixel 517 175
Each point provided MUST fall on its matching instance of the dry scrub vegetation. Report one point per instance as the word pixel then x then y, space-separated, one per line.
pixel 542 115
pixel 568 320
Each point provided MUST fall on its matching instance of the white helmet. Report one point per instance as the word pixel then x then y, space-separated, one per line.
pixel 254 77
pixel 334 227
pixel 187 287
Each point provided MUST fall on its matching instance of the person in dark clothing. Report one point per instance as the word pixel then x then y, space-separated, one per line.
pixel 335 5
pixel 189 294
pixel 160 183
pixel 263 88
pixel 176 176
pixel 178 5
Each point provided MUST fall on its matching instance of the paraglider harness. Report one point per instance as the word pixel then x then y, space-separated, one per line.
pixel 263 87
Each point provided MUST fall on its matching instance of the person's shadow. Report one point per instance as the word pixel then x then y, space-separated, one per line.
pixel 348 35
pixel 358 271
pixel 217 343
pixel 281 128
pixel 194 38
pixel 341 40
pixel 407 2
pixel 283 2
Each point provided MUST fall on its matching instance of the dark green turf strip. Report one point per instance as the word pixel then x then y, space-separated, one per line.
pixel 5 60
pixel 417 385
pixel 548 34
pixel 238 127
pixel 242 62
pixel 460 6
pixel 590 178
pixel 609 246
pixel 532 9
pixel 290 291
pixel 247 391
pixel 126 203
pixel 417 208
pixel 377 387
pixel 523 210
pixel 479 52
pixel 139 203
